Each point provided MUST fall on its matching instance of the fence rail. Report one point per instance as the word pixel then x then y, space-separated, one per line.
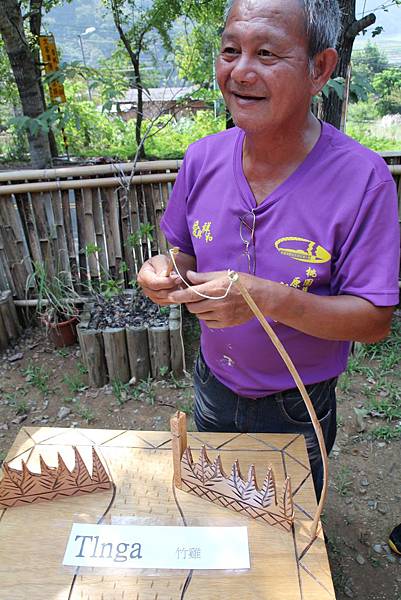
pixel 87 222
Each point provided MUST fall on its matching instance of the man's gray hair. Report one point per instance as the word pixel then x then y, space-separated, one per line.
pixel 322 23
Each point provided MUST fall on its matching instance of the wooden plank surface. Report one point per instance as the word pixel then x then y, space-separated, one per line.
pixel 284 566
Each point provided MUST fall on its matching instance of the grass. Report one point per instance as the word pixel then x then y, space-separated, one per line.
pixel 121 391
pixel 74 383
pixel 377 363
pixel 37 377
pixel 186 402
pixel 21 408
pixel 343 481
pixel 387 433
pixel 85 412
pixel 146 387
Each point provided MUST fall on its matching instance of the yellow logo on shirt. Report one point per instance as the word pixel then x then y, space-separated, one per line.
pixel 199 231
pixel 302 250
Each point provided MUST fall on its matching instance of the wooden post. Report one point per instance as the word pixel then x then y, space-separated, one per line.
pixel 115 347
pixel 9 315
pixel 178 426
pixel 138 352
pixel 159 349
pixel 176 345
pixel 92 349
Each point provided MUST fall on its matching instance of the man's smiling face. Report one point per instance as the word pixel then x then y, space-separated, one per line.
pixel 263 69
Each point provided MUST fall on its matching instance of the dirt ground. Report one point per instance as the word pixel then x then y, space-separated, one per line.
pixel 43 386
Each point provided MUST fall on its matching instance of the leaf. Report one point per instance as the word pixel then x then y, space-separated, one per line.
pixel 99 474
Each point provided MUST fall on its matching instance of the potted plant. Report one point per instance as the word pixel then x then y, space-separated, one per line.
pixel 56 302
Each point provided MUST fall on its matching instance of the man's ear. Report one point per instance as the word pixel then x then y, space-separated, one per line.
pixel 324 64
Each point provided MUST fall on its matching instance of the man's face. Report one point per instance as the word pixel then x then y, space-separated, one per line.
pixel 262 69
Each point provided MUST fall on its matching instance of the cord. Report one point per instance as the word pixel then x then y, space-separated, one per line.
pixel 172 256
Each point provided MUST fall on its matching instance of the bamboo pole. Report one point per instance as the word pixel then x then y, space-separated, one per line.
pixel 79 208
pixel 42 228
pixel 126 231
pixel 178 426
pixel 290 365
pixel 108 209
pixel 13 245
pixel 89 170
pixel 89 233
pixel 68 184
pixel 135 224
pixel 69 234
pixel 99 232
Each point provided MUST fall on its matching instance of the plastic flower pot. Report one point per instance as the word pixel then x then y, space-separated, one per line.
pixel 64 333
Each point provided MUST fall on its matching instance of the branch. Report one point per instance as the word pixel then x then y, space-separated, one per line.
pixel 358 26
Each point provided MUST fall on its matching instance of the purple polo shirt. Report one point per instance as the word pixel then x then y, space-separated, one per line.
pixel 330 229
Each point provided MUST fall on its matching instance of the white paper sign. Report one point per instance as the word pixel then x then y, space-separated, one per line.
pixel 139 547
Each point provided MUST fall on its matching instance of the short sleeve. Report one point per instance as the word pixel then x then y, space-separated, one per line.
pixel 174 222
pixel 367 264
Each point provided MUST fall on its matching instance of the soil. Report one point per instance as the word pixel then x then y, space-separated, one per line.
pixel 43 386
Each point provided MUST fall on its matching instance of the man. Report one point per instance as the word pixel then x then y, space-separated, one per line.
pixel 305 214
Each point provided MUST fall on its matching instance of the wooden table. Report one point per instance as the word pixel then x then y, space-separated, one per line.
pixel 284 566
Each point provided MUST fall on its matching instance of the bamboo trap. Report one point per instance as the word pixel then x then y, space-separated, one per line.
pixel 208 480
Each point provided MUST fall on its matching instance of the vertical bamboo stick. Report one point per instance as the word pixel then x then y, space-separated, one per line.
pixel 126 231
pixel 69 234
pixel 79 208
pixel 135 225
pixel 13 242
pixel 99 232
pixel 42 228
pixel 107 204
pixel 8 282
pixel 178 426
pixel 62 248
pixel 90 237
pixel 28 222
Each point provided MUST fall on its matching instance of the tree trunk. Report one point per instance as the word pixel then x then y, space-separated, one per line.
pixel 35 24
pixel 23 66
pixel 333 104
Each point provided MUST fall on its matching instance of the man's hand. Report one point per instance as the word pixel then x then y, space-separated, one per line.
pixel 231 311
pixel 155 281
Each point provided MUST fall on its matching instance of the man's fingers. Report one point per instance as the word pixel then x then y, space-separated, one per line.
pixel 199 278
pixel 153 281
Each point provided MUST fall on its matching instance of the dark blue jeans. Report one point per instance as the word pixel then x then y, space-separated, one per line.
pixel 217 408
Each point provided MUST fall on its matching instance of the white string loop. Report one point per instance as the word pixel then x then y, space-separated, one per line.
pixel 172 256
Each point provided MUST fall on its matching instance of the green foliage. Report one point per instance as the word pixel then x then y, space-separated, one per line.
pixel 387 87
pixel 172 140
pixel 343 481
pixel 37 377
pixel 374 142
pixel 74 383
pixel 386 432
pixel 121 391
pixel 54 293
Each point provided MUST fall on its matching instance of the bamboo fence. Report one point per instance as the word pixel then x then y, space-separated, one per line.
pixel 87 222
pixel 93 223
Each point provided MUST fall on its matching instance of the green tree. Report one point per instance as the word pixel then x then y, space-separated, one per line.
pixel 138 26
pixel 387 87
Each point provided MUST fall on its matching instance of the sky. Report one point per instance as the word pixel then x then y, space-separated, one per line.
pixel 390 39
pixel 391 20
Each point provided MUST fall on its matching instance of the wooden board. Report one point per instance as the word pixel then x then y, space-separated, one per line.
pixel 284 566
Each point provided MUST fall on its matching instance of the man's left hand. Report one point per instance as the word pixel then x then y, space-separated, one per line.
pixel 217 314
